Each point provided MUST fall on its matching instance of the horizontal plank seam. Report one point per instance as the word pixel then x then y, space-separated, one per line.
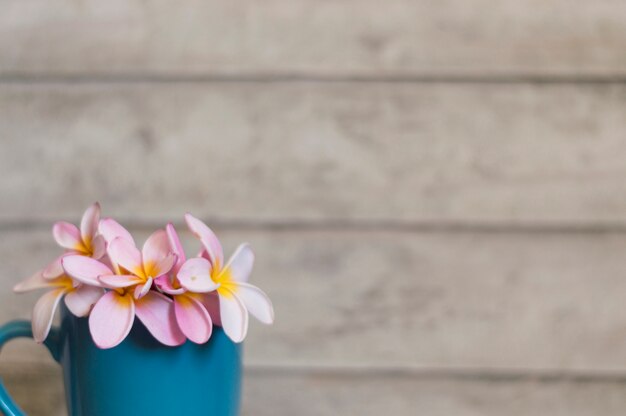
pixel 445 373
pixel 124 78
pixel 414 373
pixel 350 225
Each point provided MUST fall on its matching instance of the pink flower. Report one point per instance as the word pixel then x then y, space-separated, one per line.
pixel 79 299
pixel 236 296
pixel 103 275
pixel 191 315
pixel 113 315
pixel 85 241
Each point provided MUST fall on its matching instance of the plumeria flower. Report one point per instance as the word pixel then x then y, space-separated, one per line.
pixel 236 296
pixel 85 242
pixel 79 299
pixel 191 315
pixel 113 315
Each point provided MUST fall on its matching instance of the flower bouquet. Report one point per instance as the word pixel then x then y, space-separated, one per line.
pixel 181 356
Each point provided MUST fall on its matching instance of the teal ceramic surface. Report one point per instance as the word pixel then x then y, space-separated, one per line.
pixel 140 376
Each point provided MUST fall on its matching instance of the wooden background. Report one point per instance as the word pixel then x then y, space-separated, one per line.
pixel 436 190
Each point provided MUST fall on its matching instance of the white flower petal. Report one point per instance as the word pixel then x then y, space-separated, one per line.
pixel 233 315
pixel 256 302
pixel 44 312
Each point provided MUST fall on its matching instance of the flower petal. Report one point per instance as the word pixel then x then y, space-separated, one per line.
pixel 124 253
pixel 36 281
pixel 164 283
pixel 80 300
pixel 119 280
pixel 207 238
pixel 111 319
pixel 240 263
pixel 98 247
pixel 155 249
pixel 175 246
pixel 162 267
pixel 67 235
pixel 233 314
pixel 193 319
pixel 111 229
pixel 255 301
pixel 89 222
pixel 195 276
pixel 44 312
pixel 142 290
pixel 85 269
pixel 55 269
pixel 211 302
pixel 156 311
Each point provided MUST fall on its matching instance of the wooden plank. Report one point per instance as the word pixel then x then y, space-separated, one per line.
pixel 311 152
pixel 285 37
pixel 402 300
pixel 330 394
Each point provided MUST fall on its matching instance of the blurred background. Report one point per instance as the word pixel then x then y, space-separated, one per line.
pixel 435 190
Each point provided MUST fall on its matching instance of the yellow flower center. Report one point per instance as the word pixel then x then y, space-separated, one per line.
pixel 65 282
pixel 225 278
pixel 85 247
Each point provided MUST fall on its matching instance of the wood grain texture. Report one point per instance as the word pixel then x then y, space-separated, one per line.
pixel 316 152
pixel 322 394
pixel 335 38
pixel 405 300
pixel 434 189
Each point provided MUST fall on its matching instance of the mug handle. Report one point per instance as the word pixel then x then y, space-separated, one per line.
pixel 17 329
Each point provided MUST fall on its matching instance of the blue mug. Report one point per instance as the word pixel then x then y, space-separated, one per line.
pixel 140 376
